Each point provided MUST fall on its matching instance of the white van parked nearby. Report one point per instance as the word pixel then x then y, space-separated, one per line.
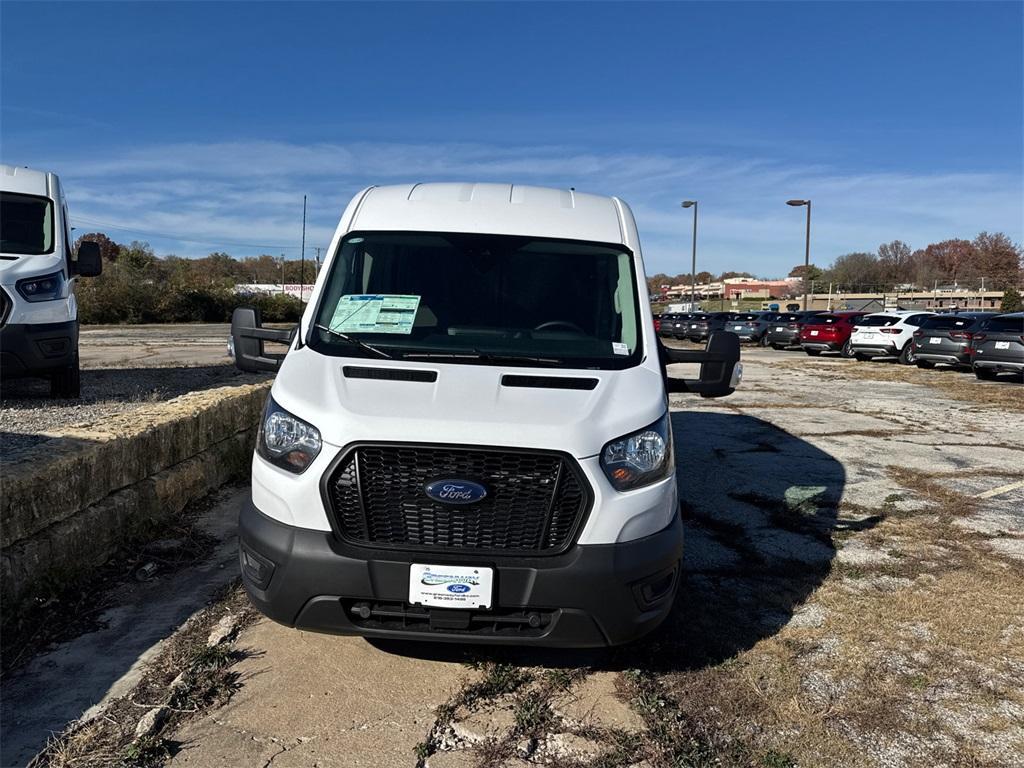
pixel 38 311
pixel 469 438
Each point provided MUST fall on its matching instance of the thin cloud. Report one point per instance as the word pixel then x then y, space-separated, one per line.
pixel 251 192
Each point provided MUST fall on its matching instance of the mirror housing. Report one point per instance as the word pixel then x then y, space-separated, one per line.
pixel 248 336
pixel 720 367
pixel 89 262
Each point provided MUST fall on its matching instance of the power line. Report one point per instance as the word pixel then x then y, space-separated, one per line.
pixel 178 238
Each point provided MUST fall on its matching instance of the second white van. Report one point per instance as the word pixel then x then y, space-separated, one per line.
pixel 38 269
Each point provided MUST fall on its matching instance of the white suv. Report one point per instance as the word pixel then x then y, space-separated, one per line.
pixel 887 334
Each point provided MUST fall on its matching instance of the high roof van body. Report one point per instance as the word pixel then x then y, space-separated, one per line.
pixel 468 438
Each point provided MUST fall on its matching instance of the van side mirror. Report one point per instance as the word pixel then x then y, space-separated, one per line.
pixel 248 336
pixel 720 367
pixel 89 262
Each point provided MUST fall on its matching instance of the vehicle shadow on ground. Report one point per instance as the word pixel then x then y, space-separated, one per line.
pixel 759 510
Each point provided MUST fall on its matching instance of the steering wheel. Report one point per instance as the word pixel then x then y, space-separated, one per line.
pixel 560 324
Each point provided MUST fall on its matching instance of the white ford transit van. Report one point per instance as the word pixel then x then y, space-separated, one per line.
pixel 468 438
pixel 38 311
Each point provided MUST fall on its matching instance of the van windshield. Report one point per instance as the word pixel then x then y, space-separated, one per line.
pixel 480 299
pixel 26 224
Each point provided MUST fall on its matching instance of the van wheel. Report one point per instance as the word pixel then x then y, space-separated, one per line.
pixel 67 382
pixel 907 356
pixel 985 374
pixel 763 341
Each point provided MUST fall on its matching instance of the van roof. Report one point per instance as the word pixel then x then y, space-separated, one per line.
pixel 500 209
pixel 26 181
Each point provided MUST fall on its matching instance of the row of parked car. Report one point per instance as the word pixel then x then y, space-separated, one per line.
pixel 988 343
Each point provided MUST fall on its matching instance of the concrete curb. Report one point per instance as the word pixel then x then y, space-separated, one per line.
pixel 67 505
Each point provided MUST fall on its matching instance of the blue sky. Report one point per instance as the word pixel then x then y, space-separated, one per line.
pixel 208 122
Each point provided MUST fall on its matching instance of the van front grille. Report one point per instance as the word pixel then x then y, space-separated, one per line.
pixel 535 502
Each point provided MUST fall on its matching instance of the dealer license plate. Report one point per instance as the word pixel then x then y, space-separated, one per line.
pixel 694 325
pixel 935 340
pixel 450 586
pixel 814 333
pixel 1002 345
pixel 779 328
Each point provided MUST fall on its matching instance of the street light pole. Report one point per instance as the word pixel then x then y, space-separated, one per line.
pixel 693 263
pixel 807 244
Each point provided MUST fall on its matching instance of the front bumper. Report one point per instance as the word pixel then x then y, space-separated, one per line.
pixel 878 350
pixel 823 346
pixel 1000 365
pixel 593 595
pixel 786 338
pixel 947 358
pixel 29 350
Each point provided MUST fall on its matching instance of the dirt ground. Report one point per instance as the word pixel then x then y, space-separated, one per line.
pixel 853 595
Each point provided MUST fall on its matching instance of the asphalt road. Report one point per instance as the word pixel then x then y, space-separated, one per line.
pixel 132 346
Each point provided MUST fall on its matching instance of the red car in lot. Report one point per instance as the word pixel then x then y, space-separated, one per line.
pixel 829 333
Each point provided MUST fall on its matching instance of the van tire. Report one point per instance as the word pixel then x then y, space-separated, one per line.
pixel 847 350
pixel 67 382
pixel 907 356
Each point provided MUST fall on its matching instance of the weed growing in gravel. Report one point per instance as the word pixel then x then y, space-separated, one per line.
pixel 532 712
pixel 146 752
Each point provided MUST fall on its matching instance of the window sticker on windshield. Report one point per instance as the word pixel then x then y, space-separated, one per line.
pixel 619 348
pixel 375 313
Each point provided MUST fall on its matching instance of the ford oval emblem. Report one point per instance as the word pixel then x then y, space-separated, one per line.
pixel 455 491
pixel 459 589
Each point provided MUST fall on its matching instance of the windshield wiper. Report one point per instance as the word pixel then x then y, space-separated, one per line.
pixel 490 357
pixel 354 342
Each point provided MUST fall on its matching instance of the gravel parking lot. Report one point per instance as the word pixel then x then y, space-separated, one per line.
pixel 852 596
pixel 122 367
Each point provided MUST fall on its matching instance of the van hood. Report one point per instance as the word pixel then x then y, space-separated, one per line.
pixel 14 267
pixel 467 404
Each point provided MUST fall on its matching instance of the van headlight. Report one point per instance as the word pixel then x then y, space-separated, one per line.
pixel 44 288
pixel 285 440
pixel 640 458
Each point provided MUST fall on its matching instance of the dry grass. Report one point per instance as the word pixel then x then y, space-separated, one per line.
pixel 955 384
pixel 206 680
pixel 918 661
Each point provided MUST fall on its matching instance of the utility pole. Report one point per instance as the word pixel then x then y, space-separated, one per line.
pixel 807 244
pixel 282 274
pixel 302 267
pixel 317 273
pixel 693 263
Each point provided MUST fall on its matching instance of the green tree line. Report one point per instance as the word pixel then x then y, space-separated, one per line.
pixel 138 287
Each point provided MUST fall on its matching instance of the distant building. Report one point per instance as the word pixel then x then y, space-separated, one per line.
pixel 290 289
pixel 737 288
